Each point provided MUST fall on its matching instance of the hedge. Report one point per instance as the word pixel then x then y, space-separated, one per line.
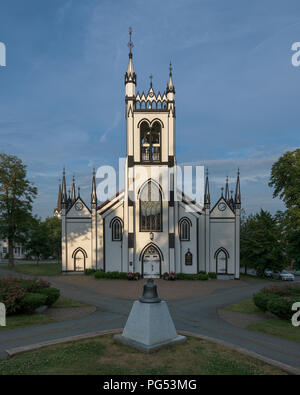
pixel 278 300
pixel 88 272
pixel 32 301
pixel 17 294
pixel 52 295
pixel 100 274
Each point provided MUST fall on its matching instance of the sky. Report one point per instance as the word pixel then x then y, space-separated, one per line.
pixel 237 92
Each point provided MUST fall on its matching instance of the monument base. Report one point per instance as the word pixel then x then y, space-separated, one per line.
pixel 149 327
pixel 148 349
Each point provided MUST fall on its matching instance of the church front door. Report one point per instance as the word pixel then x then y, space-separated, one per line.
pixel 151 263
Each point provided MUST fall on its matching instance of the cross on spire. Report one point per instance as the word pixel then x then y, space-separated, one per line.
pixel 130 43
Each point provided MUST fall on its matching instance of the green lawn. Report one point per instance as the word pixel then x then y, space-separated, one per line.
pixel 23 320
pixel 101 355
pixel 274 327
pixel 245 306
pixel 279 328
pixel 42 269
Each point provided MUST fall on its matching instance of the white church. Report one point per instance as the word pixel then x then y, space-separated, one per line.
pixel 148 227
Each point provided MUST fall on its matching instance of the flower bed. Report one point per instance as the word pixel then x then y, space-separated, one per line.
pixel 172 276
pixel 278 300
pixel 133 276
pixel 24 296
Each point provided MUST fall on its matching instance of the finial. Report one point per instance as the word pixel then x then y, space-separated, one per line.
pixel 78 191
pixel 170 68
pixel 151 77
pixel 206 172
pixel 130 43
pixel 222 189
pixel 94 171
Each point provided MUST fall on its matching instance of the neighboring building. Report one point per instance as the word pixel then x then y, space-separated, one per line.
pixel 19 251
pixel 143 229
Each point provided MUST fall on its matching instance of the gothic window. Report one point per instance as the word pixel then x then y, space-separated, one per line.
pixel 116 229
pixel 184 230
pixel 150 142
pixel 150 208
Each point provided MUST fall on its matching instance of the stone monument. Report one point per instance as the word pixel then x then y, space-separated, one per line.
pixel 149 326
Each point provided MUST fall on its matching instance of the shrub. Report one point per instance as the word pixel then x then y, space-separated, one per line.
pixel 262 298
pixel 32 301
pixel 11 294
pixel 88 272
pixel 185 276
pixel 278 299
pixel 51 293
pixel 202 276
pixel 101 274
pixel 212 275
pixel 282 306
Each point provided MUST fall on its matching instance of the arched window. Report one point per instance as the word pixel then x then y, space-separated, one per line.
pixel 150 208
pixel 79 256
pixel 150 142
pixel 116 229
pixel 184 229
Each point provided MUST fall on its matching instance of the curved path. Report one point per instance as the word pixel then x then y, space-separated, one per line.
pixel 197 315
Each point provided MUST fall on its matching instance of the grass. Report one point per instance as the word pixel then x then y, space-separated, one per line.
pixel 245 306
pixel 274 327
pixel 23 320
pixel 279 328
pixel 101 355
pixel 42 269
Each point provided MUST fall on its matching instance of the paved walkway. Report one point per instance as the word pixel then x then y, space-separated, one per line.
pixel 197 314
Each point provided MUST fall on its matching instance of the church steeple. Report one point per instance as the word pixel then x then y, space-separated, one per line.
pixel 64 197
pixel 73 190
pixel 238 190
pixel 170 86
pixel 227 190
pixel 130 76
pixel 207 194
pixel 94 193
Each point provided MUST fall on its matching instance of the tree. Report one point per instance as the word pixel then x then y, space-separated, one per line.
pixel 285 178
pixel 261 244
pixel 16 197
pixel 53 226
pixel 38 240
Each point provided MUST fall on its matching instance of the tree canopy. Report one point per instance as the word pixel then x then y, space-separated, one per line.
pixel 16 197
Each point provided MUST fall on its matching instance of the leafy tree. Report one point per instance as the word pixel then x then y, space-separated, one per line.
pixel 37 244
pixel 53 226
pixel 261 245
pixel 285 178
pixel 16 197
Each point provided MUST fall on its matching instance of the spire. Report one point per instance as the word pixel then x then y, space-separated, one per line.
pixel 79 192
pixel 59 197
pixel 222 189
pixel 94 193
pixel 130 75
pixel 207 194
pixel 73 190
pixel 151 77
pixel 227 190
pixel 170 86
pixel 238 190
pixel 64 190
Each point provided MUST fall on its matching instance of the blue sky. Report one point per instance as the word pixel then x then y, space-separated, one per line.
pixel 62 91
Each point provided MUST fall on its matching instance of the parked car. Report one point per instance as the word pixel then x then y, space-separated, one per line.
pixel 283 275
pixel 268 272
pixel 297 272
